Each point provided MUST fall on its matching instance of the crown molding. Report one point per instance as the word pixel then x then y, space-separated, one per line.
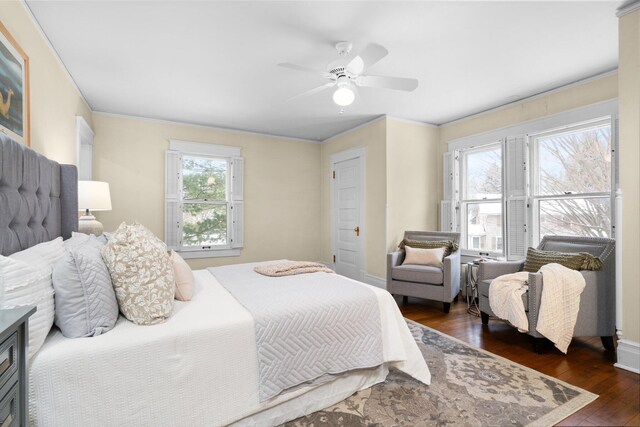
pixel 533 97
pixel 344 132
pixel 194 125
pixel 628 7
pixel 413 122
pixel 36 24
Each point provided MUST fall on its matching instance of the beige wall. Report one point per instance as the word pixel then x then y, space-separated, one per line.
pixel 281 182
pixel 629 88
pixel 372 138
pixel 55 100
pixel 577 96
pixel 414 178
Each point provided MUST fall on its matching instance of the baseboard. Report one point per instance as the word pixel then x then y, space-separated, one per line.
pixel 375 281
pixel 628 356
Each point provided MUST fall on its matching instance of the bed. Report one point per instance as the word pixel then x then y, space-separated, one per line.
pixel 199 368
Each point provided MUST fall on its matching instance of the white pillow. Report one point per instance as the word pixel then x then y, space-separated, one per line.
pixel 49 252
pixel 26 280
pixel 183 276
pixel 422 256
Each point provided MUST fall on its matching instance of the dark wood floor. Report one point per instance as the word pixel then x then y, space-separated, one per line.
pixel 587 364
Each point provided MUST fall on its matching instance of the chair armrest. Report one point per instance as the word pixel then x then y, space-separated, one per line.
pixel 452 275
pixel 393 260
pixel 535 284
pixel 491 270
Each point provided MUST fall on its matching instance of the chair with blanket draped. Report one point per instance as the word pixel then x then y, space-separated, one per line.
pixel 597 312
pixel 440 283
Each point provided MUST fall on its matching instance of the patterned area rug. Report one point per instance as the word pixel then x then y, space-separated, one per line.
pixel 469 387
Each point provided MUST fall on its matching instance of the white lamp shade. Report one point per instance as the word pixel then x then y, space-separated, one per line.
pixel 94 195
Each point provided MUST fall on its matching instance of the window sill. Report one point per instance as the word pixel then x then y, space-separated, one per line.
pixel 209 254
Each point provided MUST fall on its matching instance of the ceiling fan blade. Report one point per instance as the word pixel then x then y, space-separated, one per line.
pixel 396 83
pixel 365 59
pixel 305 69
pixel 312 91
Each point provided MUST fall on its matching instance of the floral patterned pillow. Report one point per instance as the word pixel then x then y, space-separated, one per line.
pixel 141 273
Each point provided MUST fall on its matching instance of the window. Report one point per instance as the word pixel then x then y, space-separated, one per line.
pixel 204 200
pixel 571 178
pixel 556 175
pixel 481 204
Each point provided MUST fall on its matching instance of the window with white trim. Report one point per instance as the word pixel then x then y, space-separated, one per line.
pixel 552 176
pixel 481 200
pixel 571 177
pixel 204 199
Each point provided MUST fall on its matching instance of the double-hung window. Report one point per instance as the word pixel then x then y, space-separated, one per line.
pixel 204 199
pixel 481 199
pixel 552 176
pixel 571 181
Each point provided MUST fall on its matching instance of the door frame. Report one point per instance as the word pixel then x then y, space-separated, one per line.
pixel 354 153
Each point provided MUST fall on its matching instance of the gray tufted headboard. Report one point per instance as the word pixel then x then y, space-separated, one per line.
pixel 38 198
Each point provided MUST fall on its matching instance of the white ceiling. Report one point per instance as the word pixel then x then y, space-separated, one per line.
pixel 214 63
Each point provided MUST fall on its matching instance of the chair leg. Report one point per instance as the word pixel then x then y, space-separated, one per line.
pixel 539 345
pixel 484 317
pixel 405 300
pixel 607 343
pixel 446 306
pixel 457 298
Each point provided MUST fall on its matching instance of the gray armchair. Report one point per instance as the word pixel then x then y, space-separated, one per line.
pixel 422 281
pixel 597 314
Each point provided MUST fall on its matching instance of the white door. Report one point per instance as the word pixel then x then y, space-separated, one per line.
pixel 347 230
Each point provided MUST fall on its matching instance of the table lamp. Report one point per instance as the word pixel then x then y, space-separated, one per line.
pixel 92 196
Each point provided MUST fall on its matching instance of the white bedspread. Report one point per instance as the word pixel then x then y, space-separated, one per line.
pixel 197 369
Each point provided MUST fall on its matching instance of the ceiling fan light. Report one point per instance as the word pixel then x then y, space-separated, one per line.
pixel 344 96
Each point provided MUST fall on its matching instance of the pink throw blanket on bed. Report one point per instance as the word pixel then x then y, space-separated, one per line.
pixel 290 268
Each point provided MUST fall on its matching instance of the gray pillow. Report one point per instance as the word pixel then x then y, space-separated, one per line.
pixel 85 302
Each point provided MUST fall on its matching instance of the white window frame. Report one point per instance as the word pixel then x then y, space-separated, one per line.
pixel 227 203
pixel 464 202
pixel 174 200
pixel 571 119
pixel 84 154
pixel 536 197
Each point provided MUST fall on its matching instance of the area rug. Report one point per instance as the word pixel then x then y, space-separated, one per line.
pixel 469 387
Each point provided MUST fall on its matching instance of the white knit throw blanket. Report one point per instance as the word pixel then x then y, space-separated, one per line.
pixel 560 304
pixel 505 299
pixel 558 307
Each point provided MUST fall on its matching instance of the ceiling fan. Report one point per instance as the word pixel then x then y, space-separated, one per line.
pixel 346 75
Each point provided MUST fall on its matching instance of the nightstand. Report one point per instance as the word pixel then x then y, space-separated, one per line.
pixel 14 337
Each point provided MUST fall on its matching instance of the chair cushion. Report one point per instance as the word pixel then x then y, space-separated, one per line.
pixel 483 291
pixel 418 273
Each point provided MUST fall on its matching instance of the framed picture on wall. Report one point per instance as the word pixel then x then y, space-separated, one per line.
pixel 14 88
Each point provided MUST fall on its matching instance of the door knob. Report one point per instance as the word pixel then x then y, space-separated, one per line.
pixel 357 230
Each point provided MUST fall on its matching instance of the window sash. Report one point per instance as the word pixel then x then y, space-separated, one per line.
pixel 226 202
pixel 463 167
pixel 464 234
pixel 193 248
pixel 536 211
pixel 566 130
